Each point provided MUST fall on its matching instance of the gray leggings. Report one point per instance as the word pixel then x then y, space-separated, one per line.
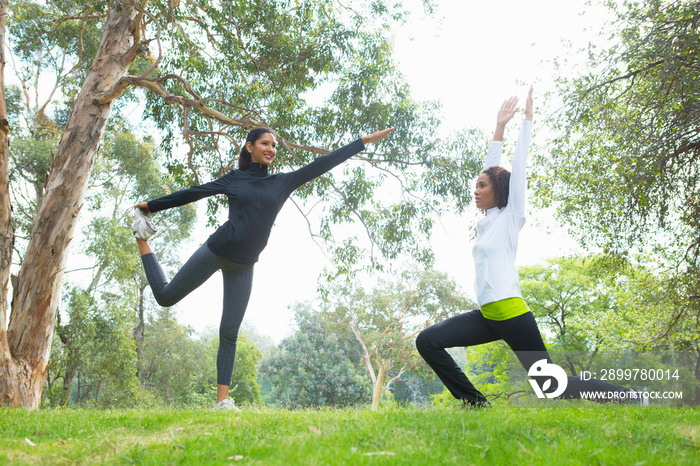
pixel 238 281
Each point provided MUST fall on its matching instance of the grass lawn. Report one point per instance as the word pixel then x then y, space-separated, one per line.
pixel 565 434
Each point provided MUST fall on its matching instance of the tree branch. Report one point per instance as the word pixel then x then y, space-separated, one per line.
pixel 631 74
pixel 366 355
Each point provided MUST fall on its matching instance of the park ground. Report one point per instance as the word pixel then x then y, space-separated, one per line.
pixel 563 433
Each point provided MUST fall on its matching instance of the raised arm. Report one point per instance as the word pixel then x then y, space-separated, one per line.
pixel 505 114
pixel 518 176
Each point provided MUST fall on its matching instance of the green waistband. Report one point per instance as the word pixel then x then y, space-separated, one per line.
pixel 504 309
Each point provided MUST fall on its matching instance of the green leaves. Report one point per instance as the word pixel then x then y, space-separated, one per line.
pixel 319 75
pixel 317 365
pixel 627 154
pixel 624 167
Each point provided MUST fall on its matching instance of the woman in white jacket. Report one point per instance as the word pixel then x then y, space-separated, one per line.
pixel 504 314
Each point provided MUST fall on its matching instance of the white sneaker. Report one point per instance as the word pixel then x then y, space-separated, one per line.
pixel 142 227
pixel 640 398
pixel 644 402
pixel 227 404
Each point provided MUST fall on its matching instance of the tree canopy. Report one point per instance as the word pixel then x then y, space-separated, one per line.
pixel 317 365
pixel 318 73
pixel 623 170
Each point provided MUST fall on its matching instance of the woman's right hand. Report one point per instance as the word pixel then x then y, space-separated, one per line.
pixel 143 206
pixel 507 111
pixel 377 136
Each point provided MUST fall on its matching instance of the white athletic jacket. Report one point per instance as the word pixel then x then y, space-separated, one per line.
pixel 497 233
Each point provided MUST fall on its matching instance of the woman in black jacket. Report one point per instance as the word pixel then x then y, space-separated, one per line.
pixel 255 198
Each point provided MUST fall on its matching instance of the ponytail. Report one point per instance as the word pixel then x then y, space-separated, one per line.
pixel 244 158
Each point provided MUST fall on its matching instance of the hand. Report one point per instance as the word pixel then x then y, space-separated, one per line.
pixel 377 136
pixel 507 111
pixel 143 206
pixel 529 105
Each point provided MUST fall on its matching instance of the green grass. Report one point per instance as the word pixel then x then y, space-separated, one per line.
pixel 443 435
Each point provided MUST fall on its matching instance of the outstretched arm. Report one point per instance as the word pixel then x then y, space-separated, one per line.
pixel 322 164
pixel 184 196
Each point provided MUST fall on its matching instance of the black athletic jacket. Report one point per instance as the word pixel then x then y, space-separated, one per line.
pixel 254 200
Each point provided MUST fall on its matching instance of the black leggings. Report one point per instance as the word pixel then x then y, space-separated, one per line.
pixel 238 282
pixel 472 328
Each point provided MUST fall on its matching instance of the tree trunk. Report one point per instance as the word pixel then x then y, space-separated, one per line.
pixel 139 332
pixel 27 344
pixel 6 230
pixel 378 389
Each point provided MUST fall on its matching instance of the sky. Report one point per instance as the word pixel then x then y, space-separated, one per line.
pixel 471 60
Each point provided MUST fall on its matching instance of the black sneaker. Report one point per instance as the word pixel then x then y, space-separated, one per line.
pixel 469 404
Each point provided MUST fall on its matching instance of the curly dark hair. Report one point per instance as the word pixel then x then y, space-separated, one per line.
pixel 500 180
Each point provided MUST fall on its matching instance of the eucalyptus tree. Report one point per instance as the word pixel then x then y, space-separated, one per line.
pixel 318 365
pixel 317 72
pixel 386 320
pixel 126 169
pixel 624 168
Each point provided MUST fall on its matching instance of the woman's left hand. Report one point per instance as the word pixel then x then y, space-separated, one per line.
pixel 377 136
pixel 143 206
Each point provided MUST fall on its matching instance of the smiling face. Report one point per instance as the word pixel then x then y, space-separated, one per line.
pixel 484 193
pixel 263 150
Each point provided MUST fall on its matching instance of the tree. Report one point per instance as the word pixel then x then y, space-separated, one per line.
pixel 569 297
pixel 232 66
pixel 26 345
pixel 386 321
pixel 629 144
pixel 623 170
pixel 7 238
pixel 180 368
pixel 601 311
pixel 96 363
pixel 317 365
